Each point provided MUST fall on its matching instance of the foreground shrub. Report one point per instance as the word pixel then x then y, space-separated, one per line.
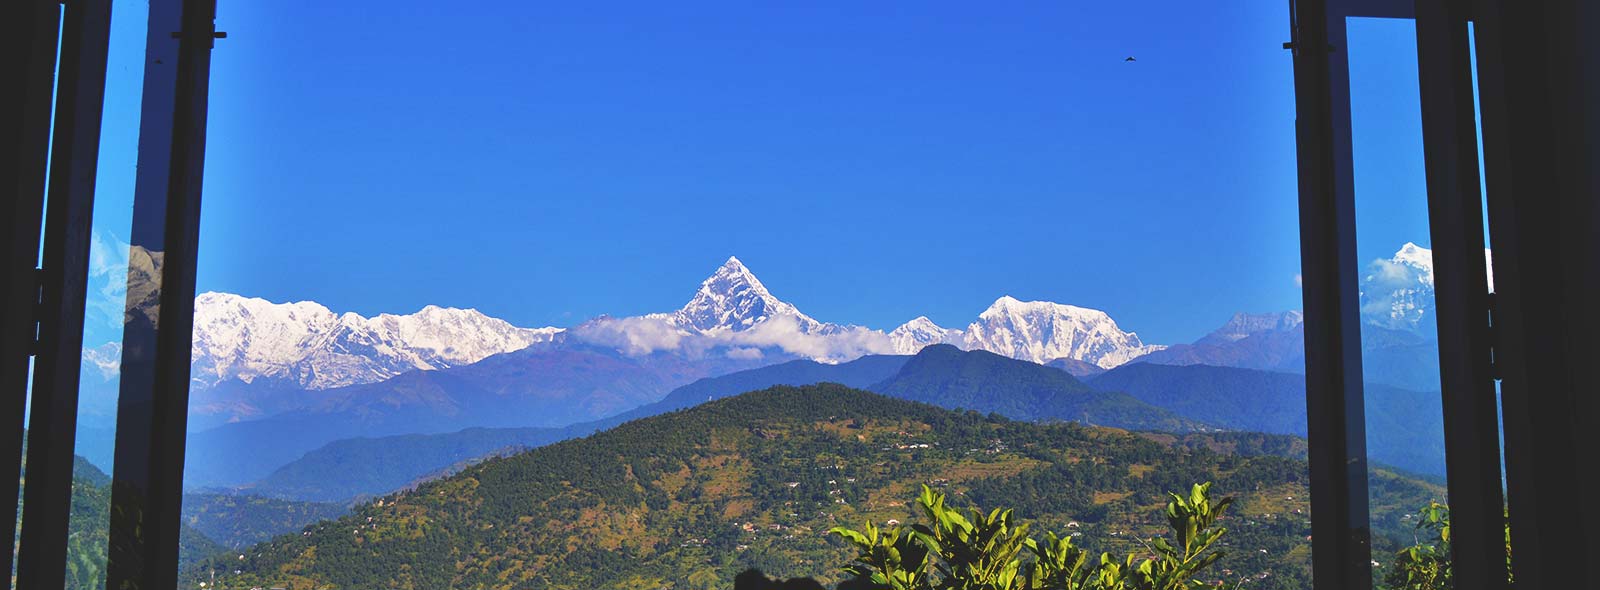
pixel 1426 565
pixel 993 551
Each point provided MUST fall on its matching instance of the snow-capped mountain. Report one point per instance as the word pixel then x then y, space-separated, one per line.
pixel 734 300
pixel 735 313
pixel 1265 341
pixel 1398 338
pixel 304 345
pixel 732 314
pixel 106 359
pixel 1245 325
pixel 310 347
pixel 1042 331
pixel 920 333
pixel 1397 293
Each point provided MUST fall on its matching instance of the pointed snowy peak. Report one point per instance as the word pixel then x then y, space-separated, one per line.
pixel 1397 292
pixel 1411 251
pixel 1417 260
pixel 920 324
pixel 733 299
pixel 1415 263
pixel 920 333
pixel 1042 331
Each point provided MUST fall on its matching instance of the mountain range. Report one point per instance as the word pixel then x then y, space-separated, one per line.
pixel 735 313
pixel 301 376
pixel 1399 337
pixel 310 347
pixel 254 359
pixel 305 346
pixel 1404 432
pixel 945 376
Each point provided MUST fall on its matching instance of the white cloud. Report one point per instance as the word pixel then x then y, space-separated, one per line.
pixel 1398 292
pixel 647 334
pixel 635 336
pixel 840 344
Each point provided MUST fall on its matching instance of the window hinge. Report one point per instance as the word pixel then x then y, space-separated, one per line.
pixel 214 34
pixel 211 38
pixel 1494 340
pixel 38 311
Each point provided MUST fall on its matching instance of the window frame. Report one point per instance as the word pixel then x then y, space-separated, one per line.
pixel 1540 362
pixel 1530 335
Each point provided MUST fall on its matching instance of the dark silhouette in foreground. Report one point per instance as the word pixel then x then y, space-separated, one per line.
pixel 752 579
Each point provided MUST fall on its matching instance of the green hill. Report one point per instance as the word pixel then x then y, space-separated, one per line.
pixel 690 498
pixel 949 377
pixel 239 520
pixel 1236 399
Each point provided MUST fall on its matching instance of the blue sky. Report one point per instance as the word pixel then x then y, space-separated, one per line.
pixel 871 162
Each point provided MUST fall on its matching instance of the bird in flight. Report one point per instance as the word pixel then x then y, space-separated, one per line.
pixel 1130 58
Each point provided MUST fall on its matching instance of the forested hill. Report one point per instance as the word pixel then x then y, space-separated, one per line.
pixel 689 499
pixel 949 377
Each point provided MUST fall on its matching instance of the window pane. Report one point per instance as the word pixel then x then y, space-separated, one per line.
pixel 443 337
pixel 99 378
pixel 107 275
pixel 1400 338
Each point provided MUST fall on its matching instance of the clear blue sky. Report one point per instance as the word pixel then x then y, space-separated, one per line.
pixel 548 162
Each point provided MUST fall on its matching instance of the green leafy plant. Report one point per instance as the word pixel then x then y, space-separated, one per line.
pixel 974 550
pixel 894 559
pixel 977 553
pixel 1426 565
pixel 1193 523
pixel 1060 564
